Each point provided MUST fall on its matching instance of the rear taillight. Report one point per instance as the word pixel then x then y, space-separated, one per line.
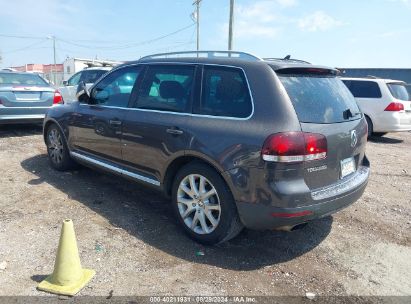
pixel 292 147
pixel 394 107
pixel 58 99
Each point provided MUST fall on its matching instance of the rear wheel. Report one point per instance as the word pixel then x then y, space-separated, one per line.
pixel 370 126
pixel 57 149
pixel 204 205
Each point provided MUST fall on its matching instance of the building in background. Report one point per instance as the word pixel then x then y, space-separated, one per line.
pixel 74 65
pixel 47 71
pixel 387 73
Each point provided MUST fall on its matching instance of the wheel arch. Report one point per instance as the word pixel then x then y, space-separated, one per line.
pixel 176 164
pixel 50 122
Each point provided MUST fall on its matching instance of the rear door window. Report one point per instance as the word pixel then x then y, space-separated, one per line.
pixel 364 89
pixel 320 99
pixel 399 91
pixel 167 88
pixel 225 93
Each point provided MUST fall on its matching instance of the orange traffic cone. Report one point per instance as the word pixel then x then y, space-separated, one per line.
pixel 68 277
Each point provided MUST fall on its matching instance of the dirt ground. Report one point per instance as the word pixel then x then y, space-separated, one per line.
pixel 129 236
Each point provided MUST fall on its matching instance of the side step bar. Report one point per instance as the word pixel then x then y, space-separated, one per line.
pixel 114 169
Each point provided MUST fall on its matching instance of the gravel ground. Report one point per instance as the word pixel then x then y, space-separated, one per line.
pixel 128 235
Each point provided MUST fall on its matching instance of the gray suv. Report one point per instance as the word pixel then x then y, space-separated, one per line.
pixel 231 139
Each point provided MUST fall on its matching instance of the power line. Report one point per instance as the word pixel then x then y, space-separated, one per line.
pixel 26 47
pixel 126 46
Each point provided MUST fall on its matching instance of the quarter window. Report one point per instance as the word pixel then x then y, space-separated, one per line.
pixel 225 93
pixel 364 89
pixel 167 88
pixel 115 89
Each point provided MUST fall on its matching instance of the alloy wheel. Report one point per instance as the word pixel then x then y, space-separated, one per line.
pixel 198 204
pixel 55 146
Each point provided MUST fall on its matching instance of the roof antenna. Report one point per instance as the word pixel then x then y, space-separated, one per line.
pixel 288 57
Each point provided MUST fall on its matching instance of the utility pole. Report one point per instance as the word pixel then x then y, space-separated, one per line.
pixel 230 26
pixel 197 4
pixel 53 70
pixel 54 56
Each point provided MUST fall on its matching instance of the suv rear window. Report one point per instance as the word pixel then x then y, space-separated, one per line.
pixel 21 79
pixel 399 91
pixel 225 93
pixel 363 89
pixel 320 99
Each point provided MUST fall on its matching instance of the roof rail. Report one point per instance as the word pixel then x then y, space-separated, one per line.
pixel 288 60
pixel 205 54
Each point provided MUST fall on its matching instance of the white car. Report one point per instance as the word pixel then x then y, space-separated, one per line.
pixel 89 76
pixel 385 103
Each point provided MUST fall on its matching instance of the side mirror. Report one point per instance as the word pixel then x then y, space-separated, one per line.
pixel 65 82
pixel 83 95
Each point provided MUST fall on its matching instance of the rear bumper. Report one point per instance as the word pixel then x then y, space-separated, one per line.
pixel 392 122
pixel 15 119
pixel 325 201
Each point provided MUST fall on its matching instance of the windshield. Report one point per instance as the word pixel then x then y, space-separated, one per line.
pixel 21 79
pixel 320 99
pixel 399 91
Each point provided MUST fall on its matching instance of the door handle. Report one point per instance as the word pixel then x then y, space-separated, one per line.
pixel 114 122
pixel 174 131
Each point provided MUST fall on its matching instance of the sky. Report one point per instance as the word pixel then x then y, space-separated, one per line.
pixel 339 33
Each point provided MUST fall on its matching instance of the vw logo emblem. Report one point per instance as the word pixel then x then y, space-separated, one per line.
pixel 354 138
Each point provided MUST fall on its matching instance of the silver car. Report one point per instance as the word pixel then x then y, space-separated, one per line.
pixel 25 97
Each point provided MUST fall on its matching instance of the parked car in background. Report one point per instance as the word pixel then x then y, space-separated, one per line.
pixel 25 97
pixel 235 141
pixel 386 104
pixel 88 76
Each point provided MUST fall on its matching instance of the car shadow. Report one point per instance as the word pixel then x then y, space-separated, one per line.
pixel 146 215
pixel 20 130
pixel 385 140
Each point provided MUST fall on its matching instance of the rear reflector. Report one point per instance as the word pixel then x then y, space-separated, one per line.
pixel 292 147
pixel 395 107
pixel 58 99
pixel 289 215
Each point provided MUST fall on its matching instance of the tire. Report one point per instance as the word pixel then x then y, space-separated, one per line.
pixel 370 126
pixel 57 150
pixel 218 225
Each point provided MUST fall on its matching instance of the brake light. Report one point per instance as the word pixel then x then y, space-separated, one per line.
pixel 58 99
pixel 292 147
pixel 394 107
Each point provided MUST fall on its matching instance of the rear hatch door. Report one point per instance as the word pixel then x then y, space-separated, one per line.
pixel 325 106
pixel 23 90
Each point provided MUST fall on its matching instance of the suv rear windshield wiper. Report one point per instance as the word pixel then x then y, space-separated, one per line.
pixel 347 114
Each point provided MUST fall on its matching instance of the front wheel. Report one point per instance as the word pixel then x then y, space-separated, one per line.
pixel 57 149
pixel 204 205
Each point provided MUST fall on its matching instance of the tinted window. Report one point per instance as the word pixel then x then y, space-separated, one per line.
pixel 364 89
pixel 115 89
pixel 21 79
pixel 399 91
pixel 74 80
pixel 320 99
pixel 91 76
pixel 225 93
pixel 167 88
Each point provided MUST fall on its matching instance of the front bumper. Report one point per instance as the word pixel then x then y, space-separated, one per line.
pixel 326 201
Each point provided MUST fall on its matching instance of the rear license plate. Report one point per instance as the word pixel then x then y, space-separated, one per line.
pixel 347 167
